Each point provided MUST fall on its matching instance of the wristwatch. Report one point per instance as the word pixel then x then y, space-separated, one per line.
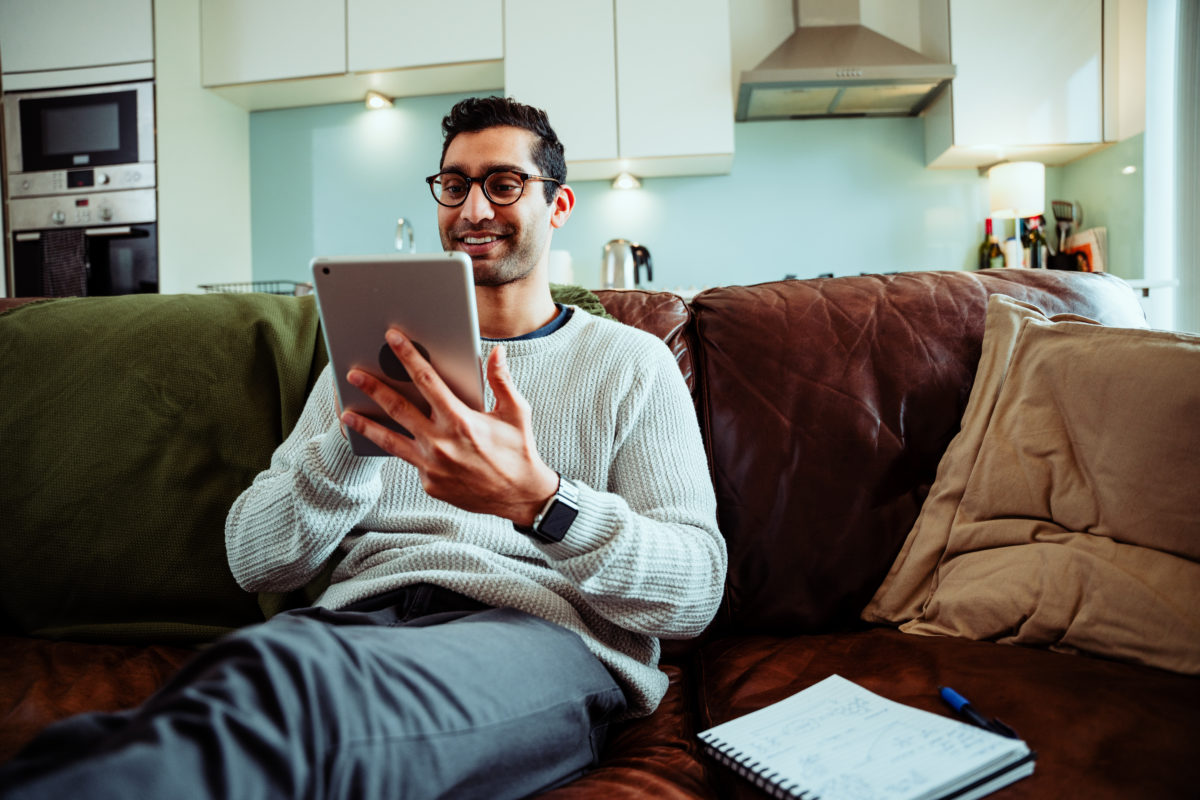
pixel 554 520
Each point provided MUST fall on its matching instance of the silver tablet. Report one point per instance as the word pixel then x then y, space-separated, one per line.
pixel 430 297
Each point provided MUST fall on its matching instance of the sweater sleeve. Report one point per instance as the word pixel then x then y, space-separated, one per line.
pixel 645 550
pixel 287 523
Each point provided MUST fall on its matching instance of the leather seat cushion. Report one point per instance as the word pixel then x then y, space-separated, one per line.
pixel 1100 728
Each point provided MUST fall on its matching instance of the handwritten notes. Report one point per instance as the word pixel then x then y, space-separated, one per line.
pixel 839 741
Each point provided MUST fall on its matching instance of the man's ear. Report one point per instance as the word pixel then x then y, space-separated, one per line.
pixel 560 207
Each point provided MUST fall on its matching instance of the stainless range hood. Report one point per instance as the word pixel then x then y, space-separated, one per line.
pixel 839 70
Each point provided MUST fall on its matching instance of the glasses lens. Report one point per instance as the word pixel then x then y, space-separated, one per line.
pixel 450 188
pixel 504 188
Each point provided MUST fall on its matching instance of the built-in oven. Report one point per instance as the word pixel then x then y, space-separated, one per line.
pixel 105 243
pixel 80 190
pixel 62 141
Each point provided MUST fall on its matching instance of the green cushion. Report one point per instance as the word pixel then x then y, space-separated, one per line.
pixel 578 296
pixel 130 424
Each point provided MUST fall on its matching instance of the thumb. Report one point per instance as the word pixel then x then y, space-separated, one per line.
pixel 509 401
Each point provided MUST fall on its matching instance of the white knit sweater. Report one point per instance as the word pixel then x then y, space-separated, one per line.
pixel 643 559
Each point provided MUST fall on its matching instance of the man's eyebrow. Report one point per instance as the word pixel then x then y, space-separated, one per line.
pixel 492 167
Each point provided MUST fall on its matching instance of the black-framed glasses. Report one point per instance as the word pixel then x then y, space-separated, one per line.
pixel 502 187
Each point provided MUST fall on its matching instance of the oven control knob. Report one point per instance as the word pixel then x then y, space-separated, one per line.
pixel 105 213
pixel 58 218
pixel 102 178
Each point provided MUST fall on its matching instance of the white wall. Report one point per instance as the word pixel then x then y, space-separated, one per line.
pixel 203 163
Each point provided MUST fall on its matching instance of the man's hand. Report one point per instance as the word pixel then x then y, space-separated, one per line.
pixel 482 462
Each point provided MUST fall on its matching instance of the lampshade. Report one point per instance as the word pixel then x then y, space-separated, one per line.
pixel 1017 189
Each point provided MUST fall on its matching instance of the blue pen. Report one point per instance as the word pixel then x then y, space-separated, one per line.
pixel 963 706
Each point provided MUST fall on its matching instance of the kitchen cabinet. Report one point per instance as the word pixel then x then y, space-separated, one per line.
pixel 113 41
pixel 640 87
pixel 243 41
pixel 392 34
pixel 580 94
pixel 264 54
pixel 1030 84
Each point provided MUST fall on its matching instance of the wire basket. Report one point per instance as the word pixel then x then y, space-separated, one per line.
pixel 295 288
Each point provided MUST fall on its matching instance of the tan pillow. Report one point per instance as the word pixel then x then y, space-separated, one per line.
pixel 1065 513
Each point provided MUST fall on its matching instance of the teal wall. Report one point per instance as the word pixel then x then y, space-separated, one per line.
pixel 804 197
pixel 1110 199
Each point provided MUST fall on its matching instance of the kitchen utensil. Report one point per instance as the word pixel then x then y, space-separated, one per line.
pixel 405 240
pixel 622 264
pixel 1064 215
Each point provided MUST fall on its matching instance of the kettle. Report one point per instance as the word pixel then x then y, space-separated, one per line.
pixel 623 261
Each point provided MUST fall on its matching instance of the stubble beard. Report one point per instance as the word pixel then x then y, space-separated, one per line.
pixel 515 265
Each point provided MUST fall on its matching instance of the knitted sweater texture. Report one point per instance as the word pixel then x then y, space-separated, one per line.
pixel 643 560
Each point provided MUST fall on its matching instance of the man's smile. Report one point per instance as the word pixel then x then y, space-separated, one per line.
pixel 480 242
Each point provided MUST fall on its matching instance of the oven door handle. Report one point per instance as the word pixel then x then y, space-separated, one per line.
pixel 123 230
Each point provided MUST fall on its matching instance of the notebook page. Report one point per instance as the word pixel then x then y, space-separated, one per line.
pixel 846 743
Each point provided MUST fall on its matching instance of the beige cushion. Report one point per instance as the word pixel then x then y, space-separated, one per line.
pixel 1065 513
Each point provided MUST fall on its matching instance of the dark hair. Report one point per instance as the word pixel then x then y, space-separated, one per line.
pixel 480 113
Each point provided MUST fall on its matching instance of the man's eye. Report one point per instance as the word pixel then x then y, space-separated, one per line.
pixel 454 188
pixel 504 184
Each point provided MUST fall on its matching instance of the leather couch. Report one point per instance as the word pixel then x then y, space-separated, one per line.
pixel 826 406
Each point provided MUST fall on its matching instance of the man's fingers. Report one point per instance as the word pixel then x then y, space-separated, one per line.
pixel 394 404
pixel 508 399
pixel 424 377
pixel 388 440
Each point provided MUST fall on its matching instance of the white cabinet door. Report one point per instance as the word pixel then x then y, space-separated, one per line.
pixel 673 67
pixel 390 34
pixel 1029 72
pixel 640 85
pixel 560 57
pixel 38 35
pixel 243 41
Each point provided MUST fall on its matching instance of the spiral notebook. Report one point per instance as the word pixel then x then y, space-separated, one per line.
pixel 838 741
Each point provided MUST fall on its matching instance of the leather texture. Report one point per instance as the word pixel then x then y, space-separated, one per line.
pixel 1100 728
pixel 827 405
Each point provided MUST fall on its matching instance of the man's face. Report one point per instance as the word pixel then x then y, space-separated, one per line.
pixel 505 243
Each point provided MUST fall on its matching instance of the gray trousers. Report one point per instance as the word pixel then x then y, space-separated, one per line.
pixel 418 693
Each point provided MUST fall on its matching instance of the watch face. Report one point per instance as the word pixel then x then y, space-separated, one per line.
pixel 557 522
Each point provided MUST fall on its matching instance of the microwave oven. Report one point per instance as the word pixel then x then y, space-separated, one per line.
pixel 94 138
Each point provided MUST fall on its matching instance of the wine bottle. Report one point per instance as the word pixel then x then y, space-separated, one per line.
pixel 990 254
pixel 1035 244
pixel 1026 242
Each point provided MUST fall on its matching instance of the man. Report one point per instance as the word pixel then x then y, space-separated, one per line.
pixel 504 579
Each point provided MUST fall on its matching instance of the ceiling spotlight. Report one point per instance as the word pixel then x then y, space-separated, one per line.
pixel 377 100
pixel 626 181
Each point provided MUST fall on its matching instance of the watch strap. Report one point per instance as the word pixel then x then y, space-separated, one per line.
pixel 552 522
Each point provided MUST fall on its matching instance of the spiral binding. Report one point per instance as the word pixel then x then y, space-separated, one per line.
pixel 754 771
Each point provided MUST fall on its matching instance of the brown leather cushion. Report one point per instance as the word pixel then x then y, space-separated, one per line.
pixel 654 757
pixel 827 405
pixel 45 681
pixel 1100 728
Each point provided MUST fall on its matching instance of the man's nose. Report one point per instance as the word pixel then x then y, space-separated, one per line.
pixel 476 206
